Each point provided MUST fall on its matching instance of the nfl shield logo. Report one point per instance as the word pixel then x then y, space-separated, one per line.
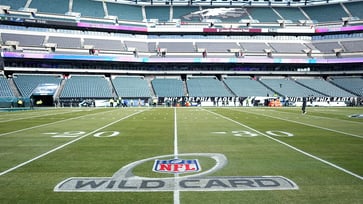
pixel 176 166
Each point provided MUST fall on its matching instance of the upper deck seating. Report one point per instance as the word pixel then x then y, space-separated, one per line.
pixel 14 4
pixel 56 6
pixel 162 13
pixel 185 13
pixel 326 47
pixel 217 46
pixel 92 8
pixel 223 14
pixel 24 39
pixel 66 42
pixel 325 13
pixel 291 13
pixel 124 11
pixel 355 8
pixel 141 46
pixel 288 47
pixel 177 46
pixel 263 14
pixel 254 46
pixel 104 44
pixel 352 46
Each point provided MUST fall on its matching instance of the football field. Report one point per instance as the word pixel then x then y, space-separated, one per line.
pixel 182 155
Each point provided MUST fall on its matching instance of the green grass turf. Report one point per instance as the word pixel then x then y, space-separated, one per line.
pixel 327 133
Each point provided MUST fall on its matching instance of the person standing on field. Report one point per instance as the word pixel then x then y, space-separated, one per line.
pixel 303 108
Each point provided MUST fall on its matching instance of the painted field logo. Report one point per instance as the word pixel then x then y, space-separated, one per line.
pixel 176 166
pixel 125 181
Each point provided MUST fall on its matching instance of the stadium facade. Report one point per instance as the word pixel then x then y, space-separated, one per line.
pixel 181 52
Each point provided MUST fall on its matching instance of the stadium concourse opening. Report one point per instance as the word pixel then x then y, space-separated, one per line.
pixel 39 100
pixel 43 94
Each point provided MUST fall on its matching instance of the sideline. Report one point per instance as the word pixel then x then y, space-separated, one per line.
pixel 42 125
pixel 290 146
pixel 301 123
pixel 66 144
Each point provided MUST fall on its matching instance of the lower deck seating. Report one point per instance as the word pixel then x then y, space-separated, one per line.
pixel 289 88
pixel 324 87
pixel 131 87
pixel 90 87
pixel 246 86
pixel 5 90
pixel 168 87
pixel 27 83
pixel 352 84
pixel 207 87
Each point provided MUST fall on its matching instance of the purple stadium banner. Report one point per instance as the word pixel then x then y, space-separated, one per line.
pixel 338 29
pixel 130 58
pixel 113 27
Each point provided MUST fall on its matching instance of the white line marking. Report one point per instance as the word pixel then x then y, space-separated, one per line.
pixel 175 135
pixel 220 133
pixel 290 146
pixel 176 176
pixel 306 124
pixel 66 144
pixel 42 125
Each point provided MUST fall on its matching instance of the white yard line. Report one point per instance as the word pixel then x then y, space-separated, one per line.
pixel 175 136
pixel 306 124
pixel 290 146
pixel 46 124
pixel 176 176
pixel 66 144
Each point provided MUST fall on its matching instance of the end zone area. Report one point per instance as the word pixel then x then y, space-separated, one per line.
pixel 321 152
